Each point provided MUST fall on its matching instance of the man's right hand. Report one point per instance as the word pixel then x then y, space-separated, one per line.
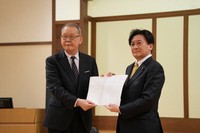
pixel 85 104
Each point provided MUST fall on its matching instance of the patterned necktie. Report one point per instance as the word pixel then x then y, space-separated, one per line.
pixel 74 69
pixel 134 69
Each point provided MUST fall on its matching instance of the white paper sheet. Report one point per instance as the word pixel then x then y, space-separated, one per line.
pixel 106 90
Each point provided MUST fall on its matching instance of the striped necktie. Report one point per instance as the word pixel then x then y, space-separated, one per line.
pixel 74 69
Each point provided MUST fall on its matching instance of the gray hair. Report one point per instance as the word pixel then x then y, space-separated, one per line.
pixel 72 25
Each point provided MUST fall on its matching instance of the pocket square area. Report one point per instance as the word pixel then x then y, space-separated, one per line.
pixel 87 71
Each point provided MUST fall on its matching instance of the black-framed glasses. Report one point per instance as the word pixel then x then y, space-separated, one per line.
pixel 69 37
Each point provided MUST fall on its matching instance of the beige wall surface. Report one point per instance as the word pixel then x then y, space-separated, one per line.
pixel 97 8
pixel 22 67
pixel 25 20
pixel 112 49
pixel 67 10
pixel 194 65
pixel 22 73
pixel 170 55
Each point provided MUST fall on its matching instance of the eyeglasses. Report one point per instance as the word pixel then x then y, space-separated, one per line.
pixel 69 37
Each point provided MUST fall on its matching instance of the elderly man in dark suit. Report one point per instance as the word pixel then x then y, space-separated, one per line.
pixel 138 110
pixel 67 78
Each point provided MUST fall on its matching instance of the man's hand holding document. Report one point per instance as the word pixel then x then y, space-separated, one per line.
pixel 106 90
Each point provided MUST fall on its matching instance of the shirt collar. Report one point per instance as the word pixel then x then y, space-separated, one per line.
pixel 69 56
pixel 142 60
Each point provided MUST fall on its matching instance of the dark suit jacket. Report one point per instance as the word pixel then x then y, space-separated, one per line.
pixel 139 100
pixel 60 81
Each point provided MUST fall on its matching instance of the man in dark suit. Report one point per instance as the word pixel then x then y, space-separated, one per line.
pixel 138 110
pixel 67 78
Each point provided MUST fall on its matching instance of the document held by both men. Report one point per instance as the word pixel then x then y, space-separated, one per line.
pixel 106 90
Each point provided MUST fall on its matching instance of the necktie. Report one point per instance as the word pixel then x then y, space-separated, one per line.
pixel 74 69
pixel 134 69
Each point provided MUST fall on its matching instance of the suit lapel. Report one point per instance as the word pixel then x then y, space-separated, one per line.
pixel 128 72
pixel 136 74
pixel 139 71
pixel 81 66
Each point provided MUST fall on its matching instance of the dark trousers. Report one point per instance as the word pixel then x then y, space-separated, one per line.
pixel 76 126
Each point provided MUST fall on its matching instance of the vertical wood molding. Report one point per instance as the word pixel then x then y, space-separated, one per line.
pixel 93 38
pixel 154 29
pixel 84 25
pixel 185 67
pixel 53 26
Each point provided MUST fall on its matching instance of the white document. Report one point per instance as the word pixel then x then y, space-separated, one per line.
pixel 106 90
